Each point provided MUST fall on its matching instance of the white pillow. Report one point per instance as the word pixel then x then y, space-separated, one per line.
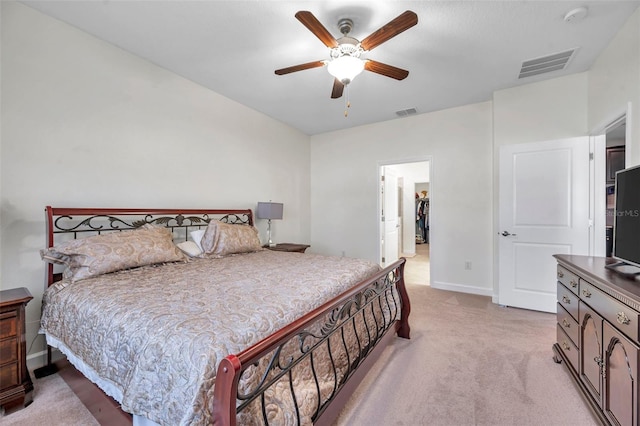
pixel 196 236
pixel 190 248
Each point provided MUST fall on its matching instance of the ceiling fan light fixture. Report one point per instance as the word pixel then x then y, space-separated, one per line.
pixel 345 68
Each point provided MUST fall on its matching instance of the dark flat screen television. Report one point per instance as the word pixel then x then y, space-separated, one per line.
pixel 626 223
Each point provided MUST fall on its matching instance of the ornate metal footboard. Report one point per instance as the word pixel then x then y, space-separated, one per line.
pixel 314 358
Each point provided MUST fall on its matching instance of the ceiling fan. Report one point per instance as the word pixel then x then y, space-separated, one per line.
pixel 346 62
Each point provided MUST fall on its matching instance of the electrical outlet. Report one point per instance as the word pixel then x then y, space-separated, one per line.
pixel 467 265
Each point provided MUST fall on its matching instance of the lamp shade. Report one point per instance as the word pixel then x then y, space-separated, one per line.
pixel 345 68
pixel 269 210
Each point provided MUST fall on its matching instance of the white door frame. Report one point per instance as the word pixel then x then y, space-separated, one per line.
pixel 432 204
pixel 597 139
pixel 390 225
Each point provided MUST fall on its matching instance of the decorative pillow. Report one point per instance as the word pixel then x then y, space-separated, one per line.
pixel 101 254
pixel 190 248
pixel 196 236
pixel 222 239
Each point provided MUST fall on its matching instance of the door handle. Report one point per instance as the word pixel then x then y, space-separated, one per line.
pixel 506 234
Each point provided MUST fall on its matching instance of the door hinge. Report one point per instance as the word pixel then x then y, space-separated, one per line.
pixel 591 156
pixel 382 178
pixel 383 259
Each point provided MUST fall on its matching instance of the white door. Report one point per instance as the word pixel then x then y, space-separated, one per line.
pixel 544 210
pixel 390 216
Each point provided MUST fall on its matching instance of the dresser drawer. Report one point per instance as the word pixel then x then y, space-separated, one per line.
pixel 617 313
pixel 568 324
pixel 568 279
pixel 568 300
pixel 570 350
pixel 8 326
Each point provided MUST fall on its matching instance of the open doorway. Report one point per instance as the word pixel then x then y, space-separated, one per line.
pixel 405 217
pixel 610 144
pixel 614 161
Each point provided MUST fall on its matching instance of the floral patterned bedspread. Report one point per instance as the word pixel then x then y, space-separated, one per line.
pixel 153 337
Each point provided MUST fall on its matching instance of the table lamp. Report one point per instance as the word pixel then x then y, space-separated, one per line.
pixel 269 211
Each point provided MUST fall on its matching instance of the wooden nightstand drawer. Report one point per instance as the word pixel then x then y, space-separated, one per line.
pixel 8 325
pixel 295 248
pixel 16 388
pixel 8 350
pixel 9 375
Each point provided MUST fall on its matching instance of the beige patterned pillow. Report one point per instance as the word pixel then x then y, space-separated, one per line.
pixel 101 254
pixel 222 239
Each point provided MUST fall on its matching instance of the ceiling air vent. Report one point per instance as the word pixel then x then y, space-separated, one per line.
pixel 406 112
pixel 555 62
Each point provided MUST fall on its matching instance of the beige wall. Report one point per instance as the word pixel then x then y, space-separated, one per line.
pixel 85 124
pixel 344 190
pixel 614 85
pixel 547 110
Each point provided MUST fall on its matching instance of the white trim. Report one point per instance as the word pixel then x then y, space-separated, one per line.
pixel 598 203
pixel 627 136
pixel 597 196
pixel 36 355
pixel 463 288
pixel 614 120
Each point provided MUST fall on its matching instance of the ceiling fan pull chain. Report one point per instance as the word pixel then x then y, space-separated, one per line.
pixel 347 104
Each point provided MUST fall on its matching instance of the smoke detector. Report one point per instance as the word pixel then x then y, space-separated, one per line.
pixel 576 15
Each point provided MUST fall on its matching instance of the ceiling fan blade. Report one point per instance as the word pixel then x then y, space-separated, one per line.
pixel 338 88
pixel 401 23
pixel 300 67
pixel 386 70
pixel 312 23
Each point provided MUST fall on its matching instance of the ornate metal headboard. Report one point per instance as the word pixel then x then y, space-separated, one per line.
pixel 71 223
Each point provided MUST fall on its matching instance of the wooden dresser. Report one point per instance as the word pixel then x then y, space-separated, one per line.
pixel 598 335
pixel 15 383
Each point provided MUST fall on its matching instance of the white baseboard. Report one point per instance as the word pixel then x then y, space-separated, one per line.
pixel 463 288
pixel 36 355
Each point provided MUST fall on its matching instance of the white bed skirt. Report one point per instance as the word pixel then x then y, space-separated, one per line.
pixel 143 421
pixel 107 386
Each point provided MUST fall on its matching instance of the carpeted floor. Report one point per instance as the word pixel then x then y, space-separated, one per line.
pixel 472 363
pixel 469 362
pixel 54 404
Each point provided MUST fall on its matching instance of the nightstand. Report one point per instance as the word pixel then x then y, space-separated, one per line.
pixel 297 248
pixel 15 383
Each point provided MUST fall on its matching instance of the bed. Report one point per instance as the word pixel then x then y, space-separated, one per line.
pixel 183 318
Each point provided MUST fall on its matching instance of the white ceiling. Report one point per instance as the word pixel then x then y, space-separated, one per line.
pixel 460 52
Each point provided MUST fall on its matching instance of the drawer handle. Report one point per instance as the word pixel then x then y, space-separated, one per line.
pixel 566 323
pixel 586 293
pixel 560 274
pixel 565 346
pixel 566 300
pixel 573 284
pixel 623 318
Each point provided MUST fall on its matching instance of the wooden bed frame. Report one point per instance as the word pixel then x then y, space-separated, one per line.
pixel 385 289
